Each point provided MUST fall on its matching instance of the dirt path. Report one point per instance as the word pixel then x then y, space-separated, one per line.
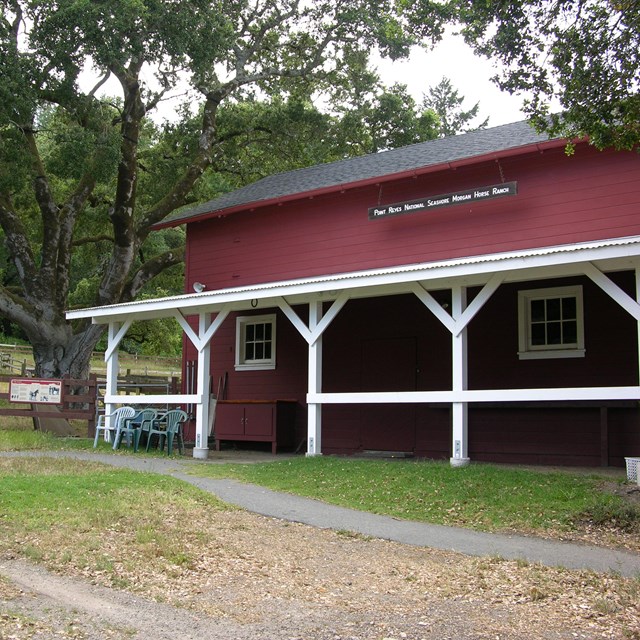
pixel 252 577
pixel 38 604
pixel 319 585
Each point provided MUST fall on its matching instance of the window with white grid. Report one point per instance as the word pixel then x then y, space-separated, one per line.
pixel 551 323
pixel 256 342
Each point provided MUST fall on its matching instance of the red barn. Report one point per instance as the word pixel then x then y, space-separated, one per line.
pixel 472 297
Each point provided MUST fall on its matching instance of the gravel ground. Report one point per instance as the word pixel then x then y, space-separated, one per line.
pixel 259 577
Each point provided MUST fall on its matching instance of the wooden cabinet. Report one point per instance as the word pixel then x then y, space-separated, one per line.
pixel 256 421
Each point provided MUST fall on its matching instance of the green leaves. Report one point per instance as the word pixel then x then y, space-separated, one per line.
pixel 580 60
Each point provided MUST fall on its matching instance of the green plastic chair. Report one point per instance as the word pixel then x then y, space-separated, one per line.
pixel 135 426
pixel 168 426
pixel 113 426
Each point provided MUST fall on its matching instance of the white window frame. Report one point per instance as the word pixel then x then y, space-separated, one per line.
pixel 527 351
pixel 242 364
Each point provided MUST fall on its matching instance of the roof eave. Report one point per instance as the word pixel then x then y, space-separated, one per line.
pixel 302 195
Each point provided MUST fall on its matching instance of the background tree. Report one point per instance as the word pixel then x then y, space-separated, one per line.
pixel 445 101
pixel 83 179
pixel 578 61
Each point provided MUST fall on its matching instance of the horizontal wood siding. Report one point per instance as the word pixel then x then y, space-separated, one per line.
pixel 287 382
pixel 590 196
pixel 611 340
pixel 535 436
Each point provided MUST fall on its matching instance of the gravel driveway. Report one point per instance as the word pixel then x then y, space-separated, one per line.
pixel 262 577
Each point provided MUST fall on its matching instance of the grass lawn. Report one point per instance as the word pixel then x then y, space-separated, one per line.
pixel 60 511
pixel 168 541
pixel 480 496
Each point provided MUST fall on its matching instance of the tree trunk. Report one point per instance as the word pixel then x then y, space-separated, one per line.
pixel 65 353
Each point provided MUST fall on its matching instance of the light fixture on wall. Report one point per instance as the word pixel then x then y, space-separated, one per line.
pixel 198 287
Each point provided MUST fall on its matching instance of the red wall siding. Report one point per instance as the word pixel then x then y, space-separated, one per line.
pixel 561 199
pixel 611 357
pixel 592 195
pixel 287 382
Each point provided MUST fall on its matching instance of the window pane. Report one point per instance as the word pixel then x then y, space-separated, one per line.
pixel 537 310
pixel 267 350
pixel 249 351
pixel 259 331
pixel 251 332
pixel 268 329
pixel 554 333
pixel 538 336
pixel 259 351
pixel 569 309
pixel 553 309
pixel 570 332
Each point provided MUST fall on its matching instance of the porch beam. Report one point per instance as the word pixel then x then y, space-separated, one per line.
pixel 153 398
pixel 459 383
pixel 479 395
pixel 201 339
pixel 314 331
pixel 115 337
pixel 203 376
pixel 456 326
pixel 434 306
pixel 115 333
pixel 467 314
pixel 613 290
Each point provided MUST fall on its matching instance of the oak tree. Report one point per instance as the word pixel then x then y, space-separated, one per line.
pixel 82 179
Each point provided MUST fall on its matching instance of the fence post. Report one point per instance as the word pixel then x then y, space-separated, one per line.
pixel 93 405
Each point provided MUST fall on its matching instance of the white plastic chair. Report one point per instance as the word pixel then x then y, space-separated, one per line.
pixel 111 423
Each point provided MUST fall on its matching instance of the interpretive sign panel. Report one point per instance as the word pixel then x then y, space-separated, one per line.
pixel 36 391
pixel 445 200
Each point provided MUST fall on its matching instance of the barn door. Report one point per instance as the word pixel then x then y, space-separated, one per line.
pixel 388 364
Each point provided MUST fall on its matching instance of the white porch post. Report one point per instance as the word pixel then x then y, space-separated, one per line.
pixel 113 367
pixel 638 300
pixel 460 412
pixel 314 410
pixel 201 449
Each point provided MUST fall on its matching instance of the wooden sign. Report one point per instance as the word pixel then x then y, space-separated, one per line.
pixel 445 200
pixel 31 390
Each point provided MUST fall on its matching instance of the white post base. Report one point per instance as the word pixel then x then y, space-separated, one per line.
pixel 200 453
pixel 312 455
pixel 459 462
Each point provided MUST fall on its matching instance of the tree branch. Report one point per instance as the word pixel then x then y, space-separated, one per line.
pixel 17 241
pixel 150 269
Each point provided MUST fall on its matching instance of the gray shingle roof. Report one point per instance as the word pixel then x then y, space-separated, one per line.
pixel 376 165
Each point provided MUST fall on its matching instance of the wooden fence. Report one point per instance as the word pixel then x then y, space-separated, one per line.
pixel 81 400
pixel 77 402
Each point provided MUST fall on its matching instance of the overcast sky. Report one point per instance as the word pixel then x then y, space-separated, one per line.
pixel 468 73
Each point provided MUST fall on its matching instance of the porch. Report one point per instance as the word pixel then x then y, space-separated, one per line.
pixel 325 297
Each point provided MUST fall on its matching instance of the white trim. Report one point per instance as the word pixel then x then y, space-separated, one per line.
pixel 314 382
pixel 262 364
pixel 527 351
pixel 478 395
pixel 551 354
pixel 115 339
pixel 114 398
pixel 613 290
pixel 312 334
pixel 521 264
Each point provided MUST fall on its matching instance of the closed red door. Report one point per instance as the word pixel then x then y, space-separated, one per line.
pixel 388 364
